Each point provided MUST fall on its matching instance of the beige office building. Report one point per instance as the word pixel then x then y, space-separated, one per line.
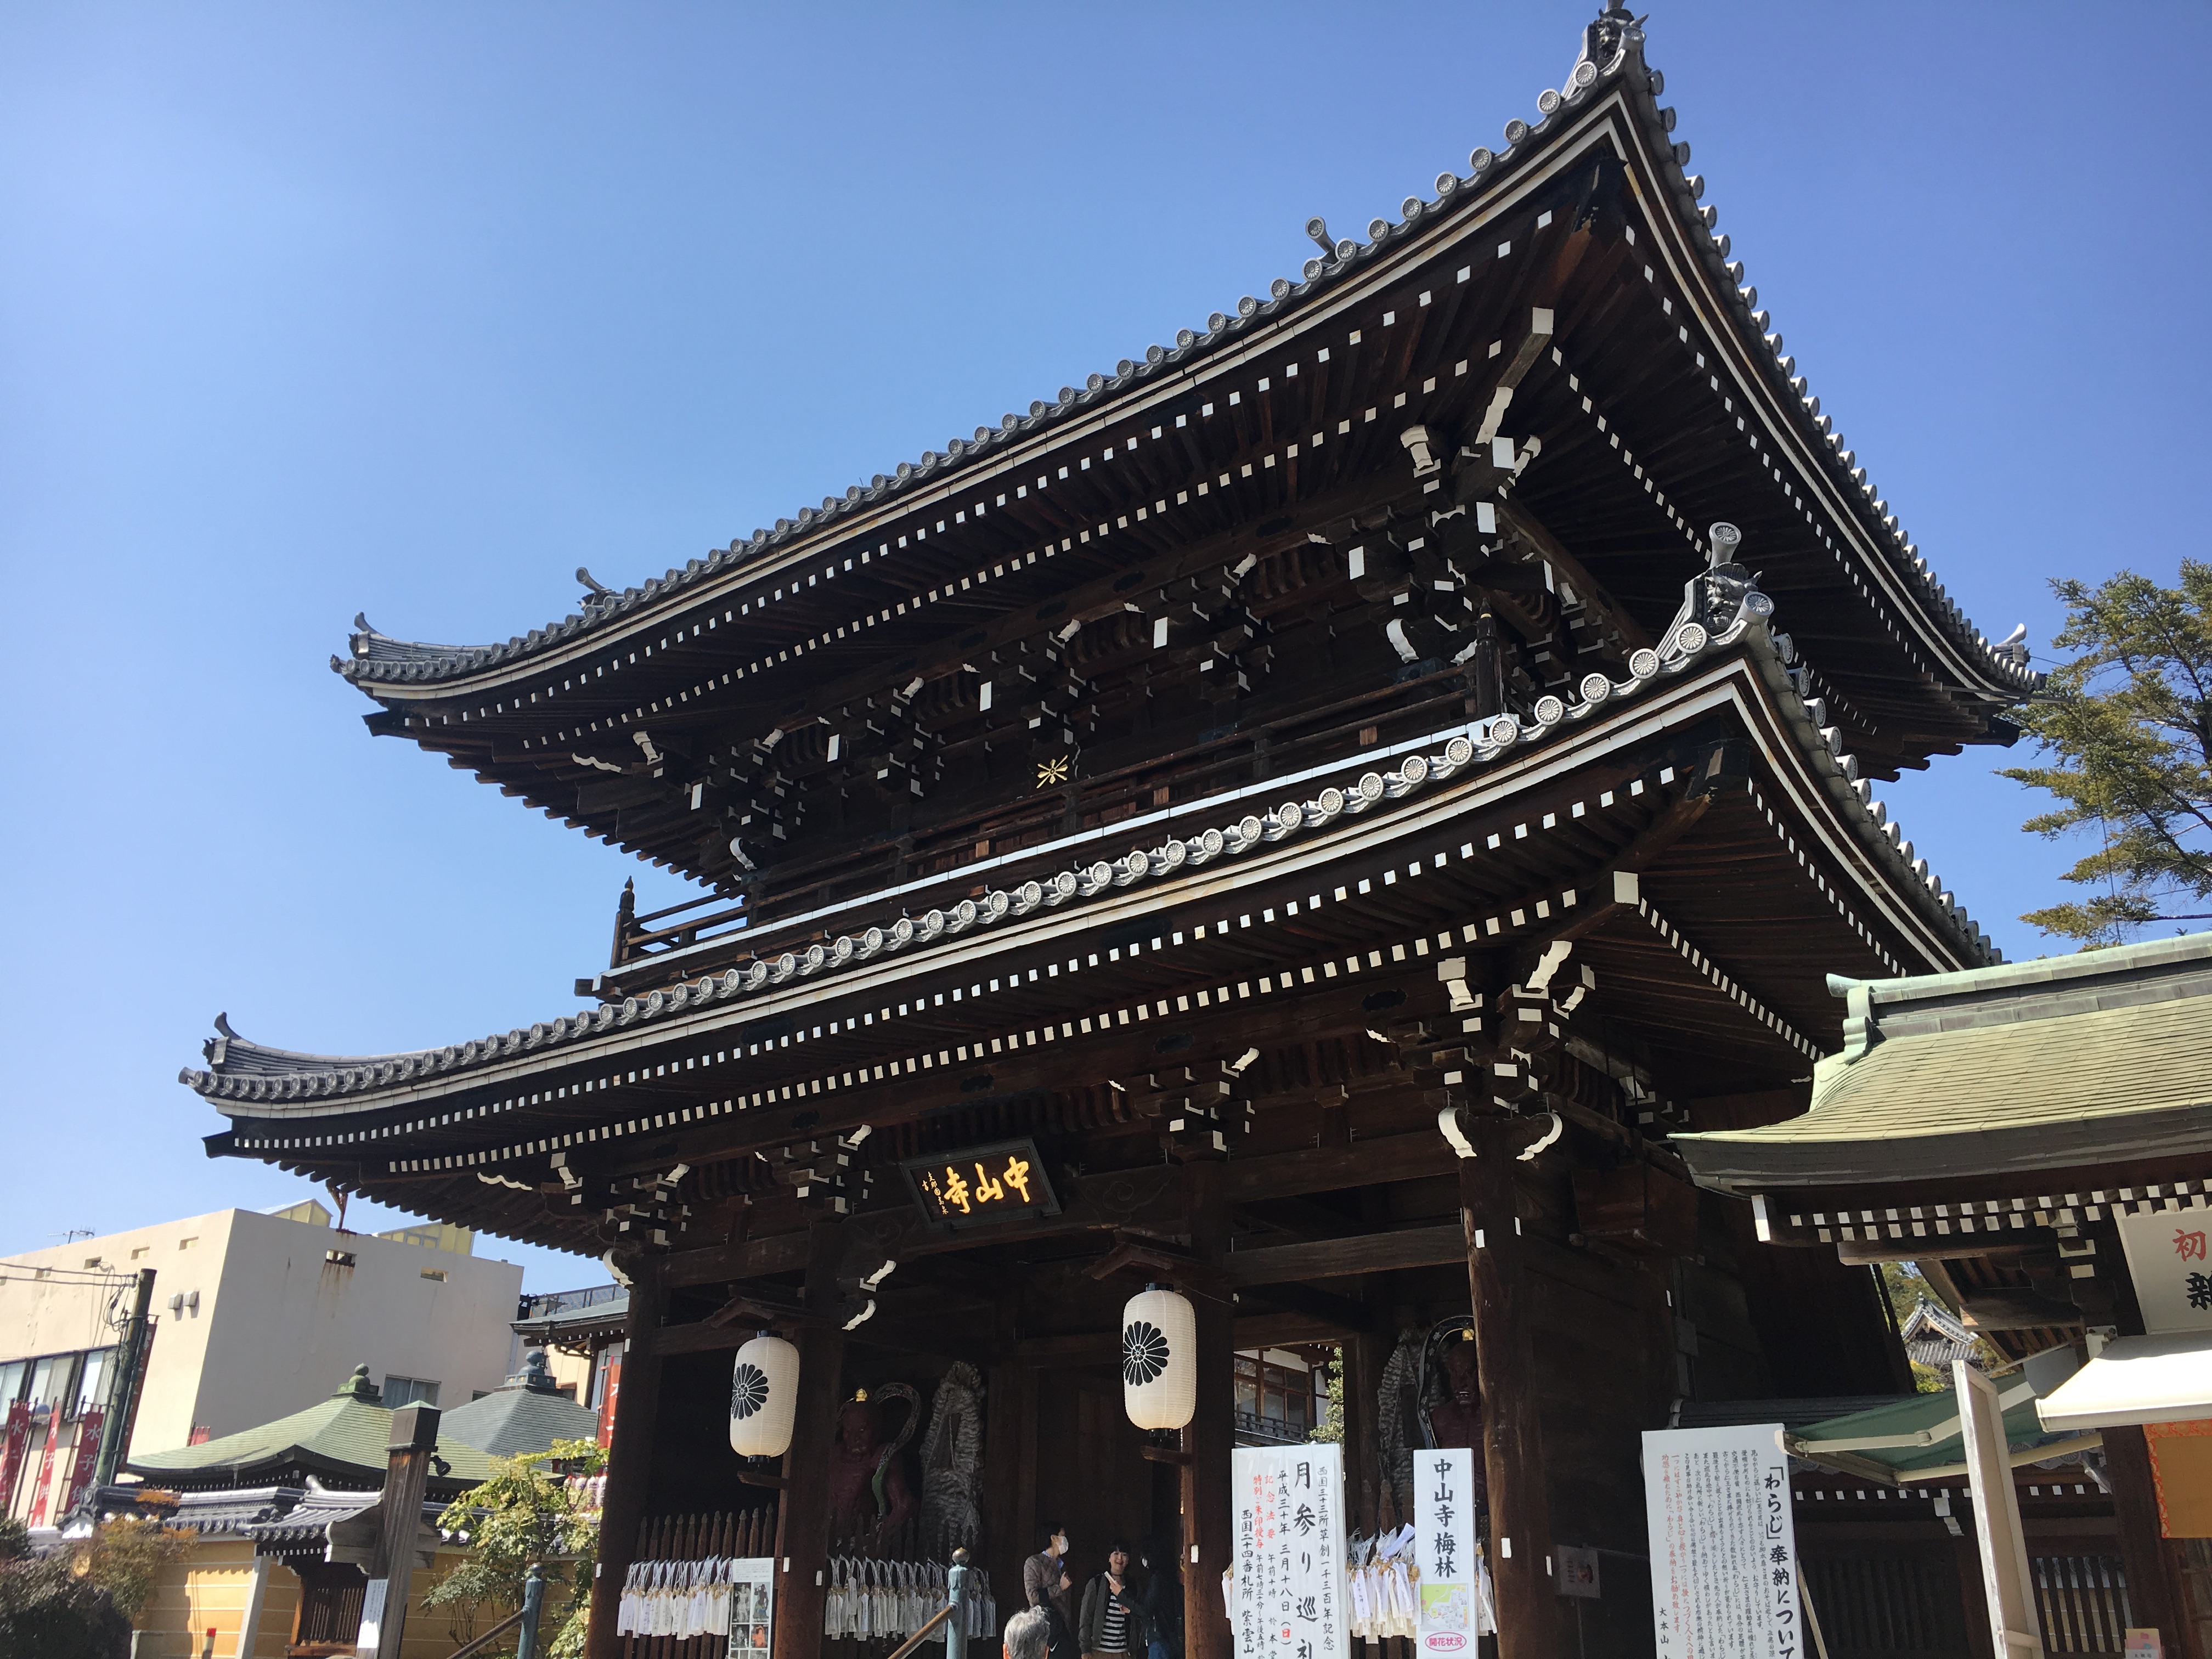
pixel 257 1316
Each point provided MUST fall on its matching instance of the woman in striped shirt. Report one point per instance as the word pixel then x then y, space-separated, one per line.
pixel 1113 1625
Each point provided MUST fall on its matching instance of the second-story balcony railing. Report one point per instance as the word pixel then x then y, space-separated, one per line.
pixel 1272 1429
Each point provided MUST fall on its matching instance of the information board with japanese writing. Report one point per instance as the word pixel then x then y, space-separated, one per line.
pixel 1723 1547
pixel 1287 1599
pixel 2167 1259
pixel 980 1184
pixel 1444 1548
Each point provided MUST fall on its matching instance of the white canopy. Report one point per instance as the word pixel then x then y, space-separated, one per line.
pixel 2136 1379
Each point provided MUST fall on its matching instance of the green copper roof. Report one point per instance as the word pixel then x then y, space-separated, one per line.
pixel 526 1417
pixel 343 1439
pixel 2036 1065
pixel 1915 1439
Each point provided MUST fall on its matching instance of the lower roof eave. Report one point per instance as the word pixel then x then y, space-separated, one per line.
pixel 1745 1161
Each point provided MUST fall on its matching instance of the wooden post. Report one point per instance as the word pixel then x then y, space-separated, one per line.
pixel 800 1592
pixel 257 1593
pixel 629 1458
pixel 1207 1541
pixel 1512 1441
pixel 392 1568
pixel 1009 1457
pixel 2154 1597
pixel 1361 1368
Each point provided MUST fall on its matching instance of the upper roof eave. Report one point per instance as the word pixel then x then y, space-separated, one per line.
pixel 398 671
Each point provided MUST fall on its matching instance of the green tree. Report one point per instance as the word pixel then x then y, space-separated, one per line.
pixel 527 1513
pixel 50 1608
pixel 126 1556
pixel 1330 1430
pixel 2125 726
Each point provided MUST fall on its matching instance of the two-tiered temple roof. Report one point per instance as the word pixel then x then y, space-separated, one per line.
pixel 1173 681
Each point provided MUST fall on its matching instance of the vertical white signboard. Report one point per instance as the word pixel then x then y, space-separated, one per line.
pixel 1444 1548
pixel 1724 1546
pixel 1288 1601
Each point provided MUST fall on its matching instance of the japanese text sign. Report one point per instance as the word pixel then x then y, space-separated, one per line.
pixel 980 1184
pixel 1723 1543
pixel 1445 1548
pixel 1288 1599
pixel 2168 1260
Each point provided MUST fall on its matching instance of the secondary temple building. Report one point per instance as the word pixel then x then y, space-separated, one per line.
pixel 1302 818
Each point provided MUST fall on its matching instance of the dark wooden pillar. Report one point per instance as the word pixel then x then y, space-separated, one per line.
pixel 1207 1541
pixel 2155 1595
pixel 1364 1357
pixel 1512 1441
pixel 800 1590
pixel 1010 1410
pixel 629 1458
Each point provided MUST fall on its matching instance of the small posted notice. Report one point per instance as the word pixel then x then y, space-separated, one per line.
pixel 1287 1599
pixel 1444 1548
pixel 1723 1547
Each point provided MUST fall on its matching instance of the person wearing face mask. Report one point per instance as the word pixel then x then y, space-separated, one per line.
pixel 1113 1624
pixel 1046 1582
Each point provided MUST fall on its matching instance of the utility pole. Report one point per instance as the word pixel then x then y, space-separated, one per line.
pixel 130 1382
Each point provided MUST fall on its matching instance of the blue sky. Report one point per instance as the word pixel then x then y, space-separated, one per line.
pixel 307 310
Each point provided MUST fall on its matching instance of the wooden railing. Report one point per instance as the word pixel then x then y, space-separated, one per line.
pixel 479 1643
pixel 1340 731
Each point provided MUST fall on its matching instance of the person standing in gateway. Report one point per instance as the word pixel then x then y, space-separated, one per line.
pixel 1046 1584
pixel 1114 1625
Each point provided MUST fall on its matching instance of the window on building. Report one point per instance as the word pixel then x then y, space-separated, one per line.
pixel 602 1364
pixel 92 1263
pixel 93 1380
pixel 12 1373
pixel 53 1380
pixel 1279 1394
pixel 140 1254
pixel 437 1273
pixel 187 1243
pixel 409 1391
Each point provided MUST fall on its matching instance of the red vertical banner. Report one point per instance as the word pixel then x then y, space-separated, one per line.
pixel 86 1459
pixel 11 1462
pixel 44 1489
pixel 607 1404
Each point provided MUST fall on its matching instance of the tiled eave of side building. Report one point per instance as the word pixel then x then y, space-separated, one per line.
pixel 2006 1073
pixel 851 588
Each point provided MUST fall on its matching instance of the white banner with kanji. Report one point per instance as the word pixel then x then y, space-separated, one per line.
pixel 1287 1596
pixel 1723 1543
pixel 1444 1548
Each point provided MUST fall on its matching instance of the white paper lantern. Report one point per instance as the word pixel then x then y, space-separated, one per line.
pixel 764 1394
pixel 1159 1359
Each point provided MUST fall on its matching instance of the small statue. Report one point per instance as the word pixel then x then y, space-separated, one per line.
pixel 1456 1419
pixel 870 1495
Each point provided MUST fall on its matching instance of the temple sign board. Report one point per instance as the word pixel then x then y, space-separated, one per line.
pixel 1723 1543
pixel 977 1185
pixel 1287 1599
pixel 1446 1551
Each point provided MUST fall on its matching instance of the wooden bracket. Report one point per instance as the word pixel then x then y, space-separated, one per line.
pixel 1152 1454
pixel 773 1482
pixel 1151 1260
